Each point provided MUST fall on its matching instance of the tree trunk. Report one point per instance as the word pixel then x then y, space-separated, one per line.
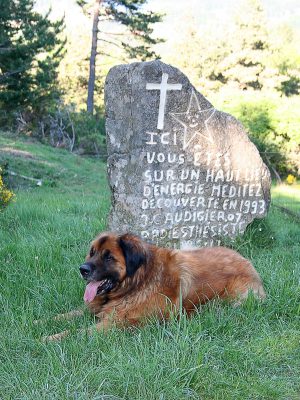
pixel 92 75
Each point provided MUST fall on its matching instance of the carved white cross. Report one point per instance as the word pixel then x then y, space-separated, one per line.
pixel 163 87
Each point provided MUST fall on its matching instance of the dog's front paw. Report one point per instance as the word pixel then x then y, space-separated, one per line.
pixel 55 338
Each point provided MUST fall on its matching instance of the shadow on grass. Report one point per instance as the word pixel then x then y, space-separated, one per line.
pixel 280 228
pixel 258 235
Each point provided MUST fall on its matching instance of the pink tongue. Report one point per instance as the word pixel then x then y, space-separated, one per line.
pixel 91 291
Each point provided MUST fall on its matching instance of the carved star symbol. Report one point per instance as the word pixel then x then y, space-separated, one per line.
pixel 195 121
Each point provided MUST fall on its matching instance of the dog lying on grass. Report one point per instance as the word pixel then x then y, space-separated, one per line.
pixel 129 280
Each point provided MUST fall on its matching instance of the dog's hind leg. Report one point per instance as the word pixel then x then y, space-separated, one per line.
pixel 242 293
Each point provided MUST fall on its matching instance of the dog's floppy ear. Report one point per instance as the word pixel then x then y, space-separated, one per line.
pixel 134 252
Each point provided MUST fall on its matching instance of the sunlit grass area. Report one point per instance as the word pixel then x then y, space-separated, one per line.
pixel 287 196
pixel 251 352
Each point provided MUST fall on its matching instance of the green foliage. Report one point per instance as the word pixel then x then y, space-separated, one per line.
pixel 273 126
pixel 31 48
pixel 285 58
pixel 244 65
pixel 76 131
pixel 290 86
pixel 90 131
pixel 251 56
pixel 139 24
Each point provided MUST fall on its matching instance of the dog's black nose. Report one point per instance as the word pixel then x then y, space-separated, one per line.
pixel 85 270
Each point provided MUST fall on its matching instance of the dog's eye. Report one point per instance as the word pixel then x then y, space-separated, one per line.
pixel 108 256
pixel 92 252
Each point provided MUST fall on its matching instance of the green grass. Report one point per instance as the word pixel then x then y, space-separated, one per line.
pixel 251 352
pixel 287 196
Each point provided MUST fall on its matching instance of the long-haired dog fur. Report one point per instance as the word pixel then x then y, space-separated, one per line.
pixel 129 280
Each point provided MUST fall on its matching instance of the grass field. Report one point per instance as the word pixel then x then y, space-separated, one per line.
pixel 251 352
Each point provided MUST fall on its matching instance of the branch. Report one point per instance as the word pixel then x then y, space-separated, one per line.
pixel 37 181
pixel 110 42
pixel 72 142
pixel 273 168
pixel 7 74
pixel 17 71
pixel 113 33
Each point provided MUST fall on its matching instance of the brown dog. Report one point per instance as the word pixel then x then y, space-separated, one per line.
pixel 129 279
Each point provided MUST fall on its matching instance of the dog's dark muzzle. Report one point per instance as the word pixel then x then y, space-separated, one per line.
pixel 86 270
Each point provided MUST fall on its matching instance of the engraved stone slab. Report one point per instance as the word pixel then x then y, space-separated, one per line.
pixel 182 173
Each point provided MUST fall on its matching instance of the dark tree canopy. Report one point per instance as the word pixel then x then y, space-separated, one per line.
pixel 31 47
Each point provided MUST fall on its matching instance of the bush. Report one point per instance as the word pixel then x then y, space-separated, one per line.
pixel 273 124
pixel 90 132
pixel 6 196
pixel 76 131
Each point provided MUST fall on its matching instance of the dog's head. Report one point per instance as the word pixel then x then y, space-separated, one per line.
pixel 111 259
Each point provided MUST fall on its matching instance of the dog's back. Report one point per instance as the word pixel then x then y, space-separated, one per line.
pixel 208 273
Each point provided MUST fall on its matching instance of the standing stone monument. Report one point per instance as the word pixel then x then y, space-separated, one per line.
pixel 182 174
